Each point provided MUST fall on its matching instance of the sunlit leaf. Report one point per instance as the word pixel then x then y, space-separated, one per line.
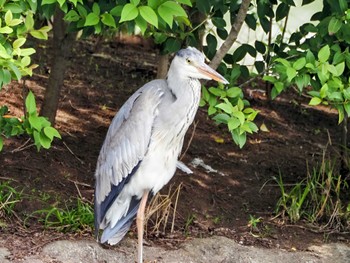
pixel 324 53
pixel 51 132
pixel 315 101
pixel 334 25
pixel 149 15
pixel 30 103
pixel 108 20
pixel 129 12
pixel 92 19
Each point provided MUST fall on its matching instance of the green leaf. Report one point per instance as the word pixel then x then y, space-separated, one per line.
pixel 216 91
pixel 3 52
pixel 299 64
pixel 44 141
pixel 240 115
pixel 282 11
pixel 172 45
pixel 159 38
pixel 219 22
pixel 260 47
pixel 340 114
pixel 117 11
pixel 239 138
pixel 149 15
pixel 324 90
pixel 346 107
pixel 51 132
pixel 170 9
pixel 284 62
pixel 239 53
pixel 324 53
pixel 129 12
pixel 27 51
pixel 135 2
pixel 339 69
pixel 18 42
pixel 8 17
pixel 30 103
pixel 225 107
pixel 221 118
pixel 205 93
pixel 36 137
pixel 334 25
pixel 92 19
pixel 96 9
pixel 250 20
pixel 15 70
pixel 6 30
pixel 291 73
pixel 25 61
pixel 7 76
pixel 271 79
pixel 15 22
pixel 234 92
pixel 35 122
pixel 61 2
pixel 38 34
pixel 315 101
pixel 211 110
pixel 141 23
pixel 310 58
pixel 1 143
pixel 72 16
pixel 233 123
pixel 14 8
pixel 108 20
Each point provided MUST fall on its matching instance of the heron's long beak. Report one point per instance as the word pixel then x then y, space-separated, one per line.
pixel 211 73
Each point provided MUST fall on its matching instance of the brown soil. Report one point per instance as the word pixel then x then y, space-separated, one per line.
pixel 100 78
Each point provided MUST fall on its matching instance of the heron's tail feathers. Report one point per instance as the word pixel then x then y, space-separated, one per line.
pixel 114 234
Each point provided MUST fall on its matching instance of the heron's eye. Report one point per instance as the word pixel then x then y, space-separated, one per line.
pixel 188 60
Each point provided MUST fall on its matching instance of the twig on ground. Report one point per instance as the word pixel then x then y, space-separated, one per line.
pixel 80 160
pixel 23 147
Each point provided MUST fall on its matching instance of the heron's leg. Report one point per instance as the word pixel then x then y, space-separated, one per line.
pixel 139 223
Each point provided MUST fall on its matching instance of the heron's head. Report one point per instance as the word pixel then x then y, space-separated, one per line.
pixel 189 63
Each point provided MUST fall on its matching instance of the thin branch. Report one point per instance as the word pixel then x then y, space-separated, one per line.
pixel 236 27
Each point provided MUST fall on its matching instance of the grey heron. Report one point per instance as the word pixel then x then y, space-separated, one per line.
pixel 142 145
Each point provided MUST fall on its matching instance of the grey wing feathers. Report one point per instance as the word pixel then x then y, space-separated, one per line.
pixel 127 138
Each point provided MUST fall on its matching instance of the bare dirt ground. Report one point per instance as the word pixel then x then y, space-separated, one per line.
pixel 99 79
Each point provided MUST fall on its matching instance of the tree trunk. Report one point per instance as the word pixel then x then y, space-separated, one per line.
pixel 232 36
pixel 162 67
pixel 62 50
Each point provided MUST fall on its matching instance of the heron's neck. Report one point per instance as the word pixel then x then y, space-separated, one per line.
pixel 182 87
pixel 187 96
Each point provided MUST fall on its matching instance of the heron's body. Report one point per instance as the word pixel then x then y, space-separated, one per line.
pixel 142 146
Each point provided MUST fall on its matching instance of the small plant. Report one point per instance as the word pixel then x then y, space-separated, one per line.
pixel 230 108
pixel 38 127
pixel 189 221
pixel 291 203
pixel 317 198
pixel 70 219
pixel 254 222
pixel 9 196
